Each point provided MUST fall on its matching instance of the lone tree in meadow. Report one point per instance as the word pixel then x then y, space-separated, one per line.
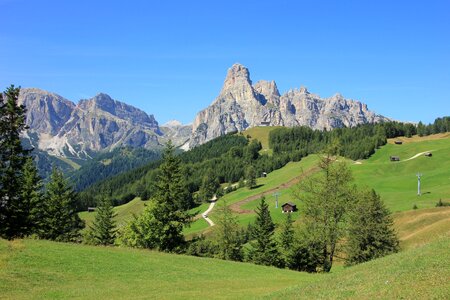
pixel 326 199
pixel 103 229
pixel 264 247
pixel 60 219
pixel 370 231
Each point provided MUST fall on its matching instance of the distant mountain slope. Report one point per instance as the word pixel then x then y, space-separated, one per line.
pixel 62 128
pixel 241 105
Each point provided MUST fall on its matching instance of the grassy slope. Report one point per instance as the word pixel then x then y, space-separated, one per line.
pixel 31 269
pixel 421 273
pixel 397 182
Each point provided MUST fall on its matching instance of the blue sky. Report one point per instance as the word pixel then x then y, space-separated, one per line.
pixel 170 58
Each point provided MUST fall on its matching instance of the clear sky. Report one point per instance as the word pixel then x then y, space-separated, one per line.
pixel 170 58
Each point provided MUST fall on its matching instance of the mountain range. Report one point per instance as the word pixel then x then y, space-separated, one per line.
pixel 65 129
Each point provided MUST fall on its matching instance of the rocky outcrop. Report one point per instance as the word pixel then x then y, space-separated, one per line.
pixel 177 132
pixel 241 105
pixel 62 128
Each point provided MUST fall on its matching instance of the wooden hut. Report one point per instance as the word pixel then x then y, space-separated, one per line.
pixel 288 207
pixel 428 154
pixel 395 158
pixel 398 142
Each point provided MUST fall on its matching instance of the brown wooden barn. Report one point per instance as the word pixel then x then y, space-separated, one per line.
pixel 398 142
pixel 288 207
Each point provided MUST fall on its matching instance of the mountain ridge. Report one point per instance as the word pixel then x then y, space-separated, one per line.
pixel 241 105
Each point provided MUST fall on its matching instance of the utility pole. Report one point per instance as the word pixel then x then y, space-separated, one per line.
pixel 276 198
pixel 418 184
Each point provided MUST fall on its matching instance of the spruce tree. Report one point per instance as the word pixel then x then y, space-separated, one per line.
pixel 60 221
pixel 32 197
pixel 287 233
pixel 250 177
pixel 227 233
pixel 13 211
pixel 161 224
pixel 264 247
pixel 103 229
pixel 370 233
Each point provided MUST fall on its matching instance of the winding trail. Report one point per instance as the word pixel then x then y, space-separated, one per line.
pixel 210 208
pixel 417 155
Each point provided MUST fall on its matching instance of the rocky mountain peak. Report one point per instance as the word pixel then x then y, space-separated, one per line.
pixel 241 105
pixel 238 76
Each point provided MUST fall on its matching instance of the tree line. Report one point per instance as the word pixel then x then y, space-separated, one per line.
pixel 25 207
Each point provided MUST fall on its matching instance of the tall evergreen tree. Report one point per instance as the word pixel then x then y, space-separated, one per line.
pixel 161 223
pixel 227 234
pixel 103 229
pixel 250 177
pixel 264 247
pixel 287 233
pixel 32 198
pixel 61 221
pixel 370 233
pixel 13 211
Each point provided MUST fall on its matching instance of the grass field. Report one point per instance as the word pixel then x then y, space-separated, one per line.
pixel 33 269
pixel 396 182
pixel 420 273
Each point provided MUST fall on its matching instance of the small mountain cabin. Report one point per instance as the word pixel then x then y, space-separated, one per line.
pixel 398 142
pixel 288 207
pixel 91 209
pixel 429 154
pixel 264 174
pixel 395 158
pixel 264 123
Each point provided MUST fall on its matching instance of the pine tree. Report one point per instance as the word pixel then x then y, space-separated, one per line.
pixel 13 212
pixel 61 221
pixel 32 197
pixel 103 229
pixel 227 234
pixel 264 249
pixel 287 233
pixel 161 223
pixel 370 234
pixel 250 177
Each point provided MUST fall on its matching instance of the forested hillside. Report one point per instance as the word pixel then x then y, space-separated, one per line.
pixel 232 157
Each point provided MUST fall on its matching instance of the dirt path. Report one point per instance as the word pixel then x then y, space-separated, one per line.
pixel 417 155
pixel 210 208
pixel 236 207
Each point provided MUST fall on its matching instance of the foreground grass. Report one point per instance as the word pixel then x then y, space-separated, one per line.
pixel 421 273
pixel 31 269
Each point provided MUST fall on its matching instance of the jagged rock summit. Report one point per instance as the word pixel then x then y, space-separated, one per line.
pixel 61 128
pixel 241 105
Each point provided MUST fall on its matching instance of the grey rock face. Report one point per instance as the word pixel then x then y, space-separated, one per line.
pixel 241 105
pixel 100 123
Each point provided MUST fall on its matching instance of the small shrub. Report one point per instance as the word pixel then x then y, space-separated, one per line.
pixel 441 204
pixel 415 206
